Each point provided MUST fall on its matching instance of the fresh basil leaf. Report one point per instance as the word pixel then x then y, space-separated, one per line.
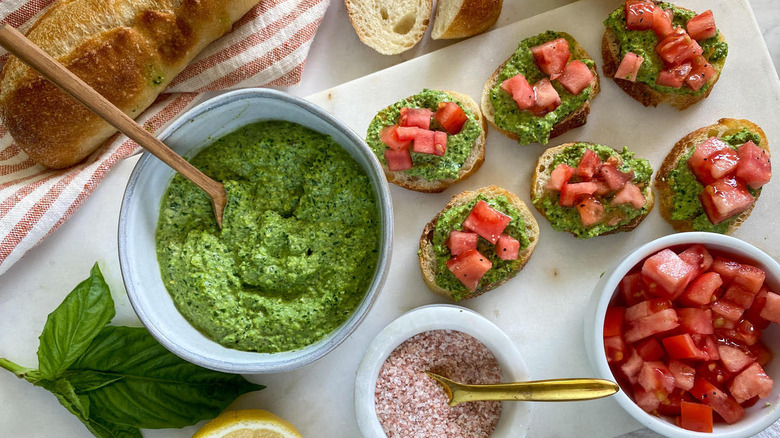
pixel 85 381
pixel 109 430
pixel 158 389
pixel 66 394
pixel 74 324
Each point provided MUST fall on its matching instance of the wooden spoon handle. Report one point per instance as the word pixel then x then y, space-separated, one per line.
pixel 24 49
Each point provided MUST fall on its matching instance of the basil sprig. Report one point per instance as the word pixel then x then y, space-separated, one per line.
pixel 118 380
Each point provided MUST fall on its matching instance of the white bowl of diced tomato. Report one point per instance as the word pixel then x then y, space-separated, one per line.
pixel 687 325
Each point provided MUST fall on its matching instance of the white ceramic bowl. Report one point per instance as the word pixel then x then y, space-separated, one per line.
pixel 140 207
pixel 759 416
pixel 515 416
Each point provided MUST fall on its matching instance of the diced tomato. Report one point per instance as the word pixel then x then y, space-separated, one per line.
pixel 655 377
pixel 707 344
pixel 630 368
pixel 639 15
pixel 696 417
pixel 461 241
pixel 701 74
pixel 669 271
pixel 613 321
pixel 662 23
pixel 398 160
pixel 389 136
pixel 702 26
pixel 649 349
pixel 739 296
pixel 552 56
pixel 648 401
pixel 591 210
pixel 676 48
pixel 718 400
pixel 694 320
pixel 486 221
pixel 507 247
pixel 734 359
pixel 700 156
pixel 407 133
pixel 698 256
pixel 469 267
pixel 762 353
pixel 450 116
pixel 671 404
pixel 439 143
pixel 726 310
pixel 754 167
pixel 771 310
pixel 614 178
pixel 602 188
pixel 646 308
pixel 521 91
pixel 722 163
pixel 615 348
pixel 750 278
pixel 683 374
pixel 674 76
pixel 753 314
pixel 682 347
pixel 547 98
pixel 745 333
pixel 714 373
pixel 576 77
pixel 629 66
pixel 750 383
pixel 589 164
pixel 419 117
pixel 727 269
pixel 559 176
pixel 700 291
pixel 572 193
pixel 725 198
pixel 424 142
pixel 660 322
pixel 632 289
pixel 630 194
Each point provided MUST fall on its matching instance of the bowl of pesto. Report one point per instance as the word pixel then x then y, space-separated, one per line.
pixel 305 243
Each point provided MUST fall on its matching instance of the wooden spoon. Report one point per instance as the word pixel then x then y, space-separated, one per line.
pixel 24 49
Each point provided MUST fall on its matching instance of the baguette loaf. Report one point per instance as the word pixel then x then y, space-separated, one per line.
pixel 127 50
pixel 464 18
pixel 665 185
pixel 389 26
pixel 427 254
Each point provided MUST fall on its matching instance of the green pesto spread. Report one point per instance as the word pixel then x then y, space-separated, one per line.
pixel 686 188
pixel 643 42
pixel 568 218
pixel 299 242
pixel 452 219
pixel 529 127
pixel 428 166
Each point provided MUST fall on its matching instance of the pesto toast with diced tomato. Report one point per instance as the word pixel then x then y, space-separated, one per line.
pixel 712 178
pixel 480 240
pixel 661 53
pixel 429 141
pixel 543 90
pixel 591 190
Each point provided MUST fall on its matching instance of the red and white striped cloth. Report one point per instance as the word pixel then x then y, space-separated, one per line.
pixel 267 47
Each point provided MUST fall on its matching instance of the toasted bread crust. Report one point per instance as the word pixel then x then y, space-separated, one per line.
pixel 471 18
pixel 427 255
pixel 573 120
pixel 392 26
pixel 723 127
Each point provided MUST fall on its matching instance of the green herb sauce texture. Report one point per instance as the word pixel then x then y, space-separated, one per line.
pixel 643 42
pixel 299 243
pixel 529 127
pixel 568 218
pixel 428 166
pixel 452 219
pixel 686 188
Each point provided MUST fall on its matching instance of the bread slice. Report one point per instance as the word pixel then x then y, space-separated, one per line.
pixel 665 194
pixel 389 26
pixel 464 18
pixel 541 175
pixel 472 164
pixel 610 53
pixel 427 255
pixel 573 120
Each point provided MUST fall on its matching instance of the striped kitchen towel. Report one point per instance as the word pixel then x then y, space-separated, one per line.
pixel 267 47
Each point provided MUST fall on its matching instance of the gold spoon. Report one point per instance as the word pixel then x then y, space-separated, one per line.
pixel 539 390
pixel 32 55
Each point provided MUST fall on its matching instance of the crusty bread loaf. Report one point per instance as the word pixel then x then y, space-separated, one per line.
pixel 427 255
pixel 665 194
pixel 472 164
pixel 127 50
pixel 389 26
pixel 572 120
pixel 541 176
pixel 464 18
pixel 611 54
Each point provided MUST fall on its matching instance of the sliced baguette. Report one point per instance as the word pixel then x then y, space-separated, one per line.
pixel 665 194
pixel 541 176
pixel 464 18
pixel 610 53
pixel 572 120
pixel 427 255
pixel 389 26
pixel 472 164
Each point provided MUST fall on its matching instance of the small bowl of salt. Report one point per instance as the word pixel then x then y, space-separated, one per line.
pixel 394 397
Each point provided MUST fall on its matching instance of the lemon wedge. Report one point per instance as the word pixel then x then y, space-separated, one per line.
pixel 247 423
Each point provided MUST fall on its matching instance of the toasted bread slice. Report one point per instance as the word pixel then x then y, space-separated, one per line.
pixel 611 54
pixel 389 26
pixel 576 118
pixel 541 175
pixel 427 253
pixel 681 149
pixel 464 18
pixel 472 163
